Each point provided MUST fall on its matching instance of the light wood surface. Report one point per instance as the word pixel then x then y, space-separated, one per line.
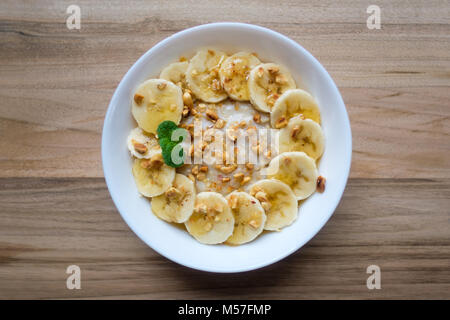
pixel 55 86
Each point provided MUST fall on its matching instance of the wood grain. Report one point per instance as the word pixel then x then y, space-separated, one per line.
pixel 48 224
pixel 55 86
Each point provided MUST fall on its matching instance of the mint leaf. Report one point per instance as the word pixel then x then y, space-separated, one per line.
pixel 170 138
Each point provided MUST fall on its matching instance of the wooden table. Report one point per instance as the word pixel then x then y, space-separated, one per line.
pixel 55 210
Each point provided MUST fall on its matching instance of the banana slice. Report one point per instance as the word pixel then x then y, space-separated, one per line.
pixel 177 203
pixel 154 101
pixel 302 135
pixel 267 82
pixel 234 73
pixel 153 177
pixel 142 145
pixel 212 221
pixel 297 170
pixel 249 217
pixel 202 75
pixel 292 103
pixel 278 201
pixel 176 72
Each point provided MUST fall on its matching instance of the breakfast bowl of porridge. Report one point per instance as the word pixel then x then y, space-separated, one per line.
pixel 226 147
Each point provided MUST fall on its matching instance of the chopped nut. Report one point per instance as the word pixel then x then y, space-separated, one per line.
pixel 242 124
pixel 161 85
pixel 268 153
pixel 182 59
pixel 201 176
pixel 257 118
pixel 266 205
pixel 211 52
pixel 228 169
pixel 212 115
pixel 273 70
pixel 231 134
pixel 201 208
pixel 238 176
pixel 280 79
pixel 204 169
pixel 191 177
pixel 173 194
pixel 233 201
pixel 194 170
pixel 260 72
pixel 138 98
pixel 185 112
pixel 270 100
pixel 140 147
pixel 220 124
pixel 281 123
pixel 249 166
pixel 321 184
pixel 253 224
pixel 226 179
pixel 245 180
pixel 261 196
pixel 296 130
pixel 156 160
pixel 216 85
pixel 202 107
pixel 187 99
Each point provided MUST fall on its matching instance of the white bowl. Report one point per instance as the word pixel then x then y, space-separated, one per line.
pixel 175 243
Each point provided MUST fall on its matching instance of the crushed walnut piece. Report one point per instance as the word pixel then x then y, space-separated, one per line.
pixel 138 98
pixel 161 86
pixel 139 147
pixel 281 123
pixel 211 114
pixel 321 184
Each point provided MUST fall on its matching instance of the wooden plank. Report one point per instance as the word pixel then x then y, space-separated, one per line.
pixel 400 225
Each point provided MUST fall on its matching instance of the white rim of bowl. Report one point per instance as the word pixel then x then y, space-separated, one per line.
pixel 308 56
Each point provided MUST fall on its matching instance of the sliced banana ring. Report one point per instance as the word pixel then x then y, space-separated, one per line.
pixel 278 201
pixel 297 170
pixel 176 72
pixel 249 217
pixel 142 145
pixel 152 176
pixel 177 203
pixel 155 101
pixel 292 103
pixel 212 221
pixel 267 82
pixel 202 75
pixel 302 135
pixel 234 73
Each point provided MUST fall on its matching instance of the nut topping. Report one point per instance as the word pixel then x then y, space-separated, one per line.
pixel 321 184
pixel 138 98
